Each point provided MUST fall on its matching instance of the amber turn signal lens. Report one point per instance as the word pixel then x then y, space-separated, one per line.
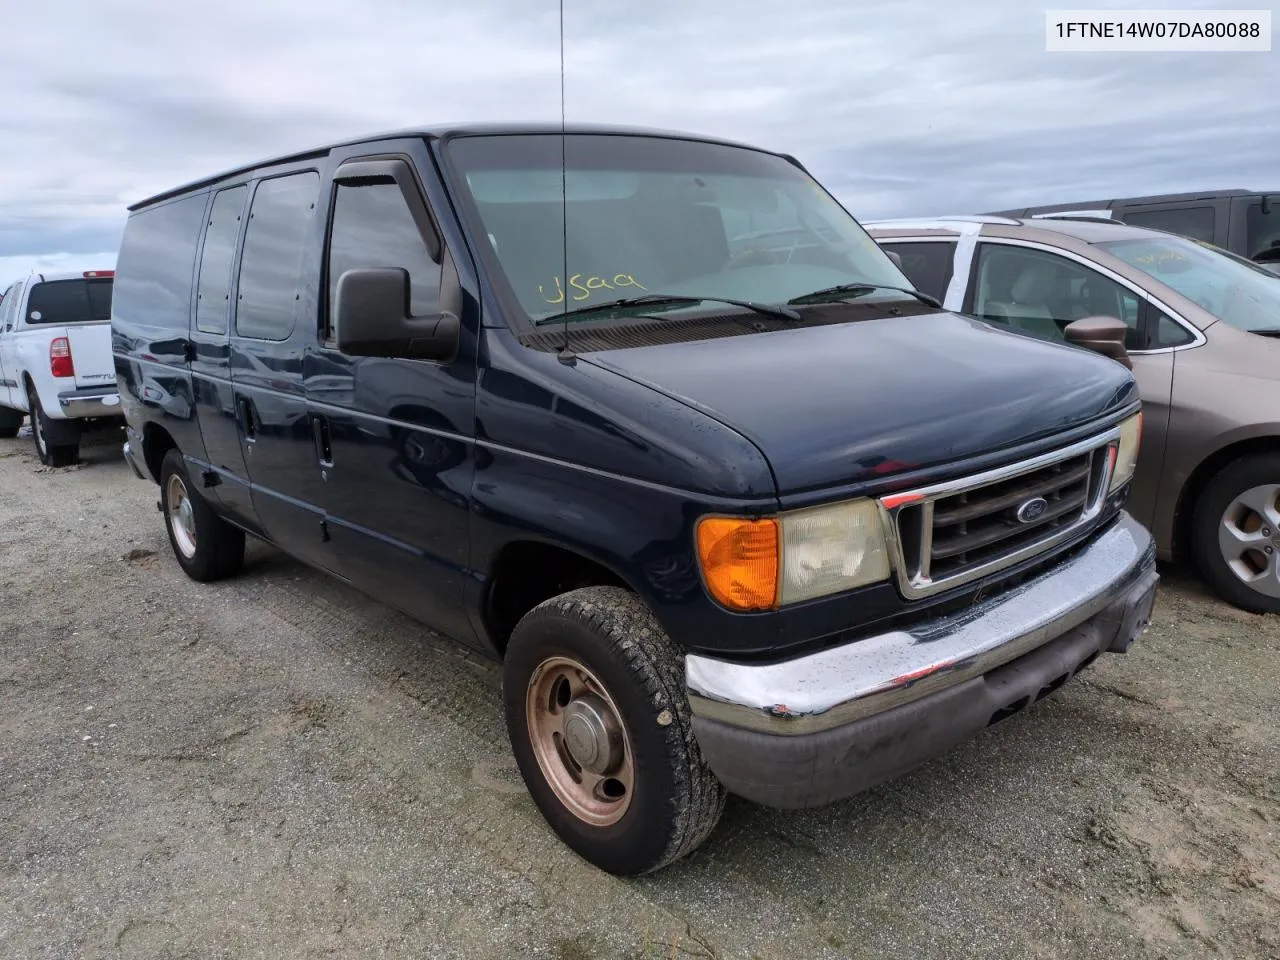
pixel 740 561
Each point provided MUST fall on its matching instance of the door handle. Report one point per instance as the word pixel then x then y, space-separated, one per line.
pixel 324 443
pixel 245 407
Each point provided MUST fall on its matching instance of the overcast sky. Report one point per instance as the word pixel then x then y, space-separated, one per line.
pixel 902 108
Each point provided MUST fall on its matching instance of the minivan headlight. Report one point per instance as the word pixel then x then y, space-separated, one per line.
pixel 1127 452
pixel 759 564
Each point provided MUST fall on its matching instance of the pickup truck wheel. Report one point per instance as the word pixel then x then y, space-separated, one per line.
pixel 593 691
pixel 207 547
pixel 1236 533
pixel 50 454
pixel 10 423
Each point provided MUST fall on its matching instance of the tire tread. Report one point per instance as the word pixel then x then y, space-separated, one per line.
pixel 1237 476
pixel 623 620
pixel 219 545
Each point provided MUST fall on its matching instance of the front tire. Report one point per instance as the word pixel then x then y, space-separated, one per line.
pixel 593 691
pixel 206 546
pixel 1236 533
pixel 50 454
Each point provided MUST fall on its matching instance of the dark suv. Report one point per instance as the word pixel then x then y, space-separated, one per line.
pixel 650 417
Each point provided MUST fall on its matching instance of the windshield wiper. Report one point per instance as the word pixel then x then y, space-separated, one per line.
pixel 1273 332
pixel 780 311
pixel 847 291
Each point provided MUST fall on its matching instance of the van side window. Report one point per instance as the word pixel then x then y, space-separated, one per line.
pixel 1261 229
pixel 928 265
pixel 214 294
pixel 373 227
pixel 1041 292
pixel 156 265
pixel 1164 332
pixel 271 263
pixel 1189 221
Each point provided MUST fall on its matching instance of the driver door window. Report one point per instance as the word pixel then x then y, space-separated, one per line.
pixel 1040 293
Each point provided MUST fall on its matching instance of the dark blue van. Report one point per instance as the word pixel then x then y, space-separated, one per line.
pixel 651 418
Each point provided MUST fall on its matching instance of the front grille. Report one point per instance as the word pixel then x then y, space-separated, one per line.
pixel 982 524
pixel 959 531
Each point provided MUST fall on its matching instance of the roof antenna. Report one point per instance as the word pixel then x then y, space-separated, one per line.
pixel 564 355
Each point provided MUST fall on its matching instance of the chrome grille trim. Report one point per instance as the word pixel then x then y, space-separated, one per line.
pixel 908 516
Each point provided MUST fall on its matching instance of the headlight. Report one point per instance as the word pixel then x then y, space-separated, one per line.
pixel 760 564
pixel 829 549
pixel 1126 452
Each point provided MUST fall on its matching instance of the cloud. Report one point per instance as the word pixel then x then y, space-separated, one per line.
pixel 901 109
pixel 21 266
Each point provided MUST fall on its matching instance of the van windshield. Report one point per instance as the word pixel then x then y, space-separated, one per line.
pixel 654 215
pixel 69 301
pixel 1235 291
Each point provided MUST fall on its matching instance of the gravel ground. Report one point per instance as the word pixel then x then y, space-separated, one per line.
pixel 275 766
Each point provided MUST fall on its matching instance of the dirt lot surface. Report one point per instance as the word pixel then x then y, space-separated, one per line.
pixel 275 767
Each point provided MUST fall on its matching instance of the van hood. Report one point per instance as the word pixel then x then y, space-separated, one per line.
pixel 837 404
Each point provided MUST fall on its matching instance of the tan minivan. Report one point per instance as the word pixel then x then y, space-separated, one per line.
pixel 1201 332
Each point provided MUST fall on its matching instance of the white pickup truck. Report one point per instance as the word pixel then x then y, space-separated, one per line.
pixel 56 362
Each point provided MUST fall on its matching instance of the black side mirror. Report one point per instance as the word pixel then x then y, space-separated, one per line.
pixel 1104 335
pixel 371 319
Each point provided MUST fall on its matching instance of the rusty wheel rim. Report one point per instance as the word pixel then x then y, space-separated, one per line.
pixel 580 741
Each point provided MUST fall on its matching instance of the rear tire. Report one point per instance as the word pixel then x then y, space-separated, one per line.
pixel 206 546
pixel 596 654
pixel 50 454
pixel 1235 533
pixel 10 423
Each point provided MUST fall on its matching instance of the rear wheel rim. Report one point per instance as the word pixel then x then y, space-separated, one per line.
pixel 580 741
pixel 180 516
pixel 1249 538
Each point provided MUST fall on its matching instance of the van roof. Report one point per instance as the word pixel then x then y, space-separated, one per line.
pixel 447 131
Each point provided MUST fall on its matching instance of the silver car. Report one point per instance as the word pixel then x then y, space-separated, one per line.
pixel 1201 329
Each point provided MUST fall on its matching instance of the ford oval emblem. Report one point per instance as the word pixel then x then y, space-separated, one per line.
pixel 1032 510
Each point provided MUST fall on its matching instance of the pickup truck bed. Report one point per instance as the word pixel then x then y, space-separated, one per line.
pixel 55 360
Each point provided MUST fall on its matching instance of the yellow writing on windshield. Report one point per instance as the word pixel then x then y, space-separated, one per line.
pixel 582 288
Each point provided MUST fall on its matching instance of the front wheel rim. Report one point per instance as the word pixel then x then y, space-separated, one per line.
pixel 580 741
pixel 180 516
pixel 1249 538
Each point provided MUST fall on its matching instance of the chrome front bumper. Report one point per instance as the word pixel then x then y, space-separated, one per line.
pixel 133 454
pixel 786 733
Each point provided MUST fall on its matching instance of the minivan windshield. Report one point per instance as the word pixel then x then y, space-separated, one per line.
pixel 69 301
pixel 657 215
pixel 1241 294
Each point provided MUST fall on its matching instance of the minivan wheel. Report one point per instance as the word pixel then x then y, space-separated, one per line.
pixel 207 547
pixel 593 691
pixel 50 454
pixel 1236 533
